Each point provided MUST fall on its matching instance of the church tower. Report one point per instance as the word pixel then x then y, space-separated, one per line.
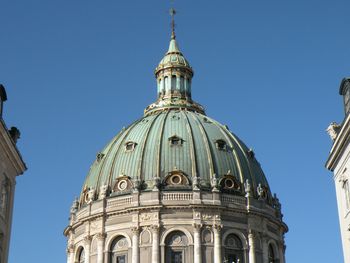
pixel 175 186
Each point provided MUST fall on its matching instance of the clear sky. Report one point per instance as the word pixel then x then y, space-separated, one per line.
pixel 77 71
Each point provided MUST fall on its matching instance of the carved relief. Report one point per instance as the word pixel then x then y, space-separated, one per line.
pixel 103 192
pixel 148 216
pixel 176 238
pixel 333 130
pixel 145 237
pixel 210 217
pixel 196 215
pixel 207 236
pixel 262 192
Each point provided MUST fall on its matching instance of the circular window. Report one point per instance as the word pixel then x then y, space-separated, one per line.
pixel 176 179
pixel 229 183
pixel 122 185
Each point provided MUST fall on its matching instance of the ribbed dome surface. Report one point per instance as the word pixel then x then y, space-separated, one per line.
pixel 203 148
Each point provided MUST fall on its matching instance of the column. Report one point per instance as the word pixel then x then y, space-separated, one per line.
pixel 87 241
pixel 155 244
pixel 265 248
pixel 251 247
pixel 197 243
pixel 100 242
pixel 282 250
pixel 178 88
pixel 70 254
pixel 217 243
pixel 135 245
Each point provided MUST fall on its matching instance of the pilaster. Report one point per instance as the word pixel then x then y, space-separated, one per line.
pixel 217 243
pixel 155 243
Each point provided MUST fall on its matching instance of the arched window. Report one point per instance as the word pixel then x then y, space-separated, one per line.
pixel 182 84
pixel 233 249
pixel 272 255
pixel 166 84
pixel 176 247
pixel 81 256
pixel 173 82
pixel 119 250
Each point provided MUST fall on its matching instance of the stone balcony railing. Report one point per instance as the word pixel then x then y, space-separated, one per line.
pixel 147 199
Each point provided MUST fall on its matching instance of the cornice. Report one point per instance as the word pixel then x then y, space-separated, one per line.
pixel 10 147
pixel 339 144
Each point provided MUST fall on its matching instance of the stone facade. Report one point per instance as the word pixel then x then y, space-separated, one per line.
pixel 154 227
pixel 11 165
pixel 339 163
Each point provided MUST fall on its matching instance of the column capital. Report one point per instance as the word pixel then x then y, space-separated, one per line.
pixel 155 227
pixel 217 228
pixel 251 233
pixel 70 248
pixel 87 239
pixel 135 230
pixel 197 227
pixel 100 236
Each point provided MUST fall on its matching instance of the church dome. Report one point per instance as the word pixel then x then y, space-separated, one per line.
pixel 175 145
pixel 175 186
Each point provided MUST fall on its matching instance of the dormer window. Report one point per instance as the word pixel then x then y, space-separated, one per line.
pixel 221 145
pixel 130 146
pixel 175 141
pixel 206 120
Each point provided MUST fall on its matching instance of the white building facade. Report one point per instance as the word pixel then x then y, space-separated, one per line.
pixel 11 165
pixel 339 163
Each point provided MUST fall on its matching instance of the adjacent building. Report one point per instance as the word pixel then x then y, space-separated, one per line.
pixel 339 163
pixel 11 165
pixel 176 186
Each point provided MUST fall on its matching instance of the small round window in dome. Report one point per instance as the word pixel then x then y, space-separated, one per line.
pixel 176 179
pixel 229 183
pixel 122 185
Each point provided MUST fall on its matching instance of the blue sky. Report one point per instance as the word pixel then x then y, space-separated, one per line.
pixel 76 72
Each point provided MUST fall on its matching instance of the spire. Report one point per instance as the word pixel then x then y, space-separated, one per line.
pixel 173 47
pixel 174 78
pixel 172 12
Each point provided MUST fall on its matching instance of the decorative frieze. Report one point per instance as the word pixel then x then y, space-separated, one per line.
pixel 148 217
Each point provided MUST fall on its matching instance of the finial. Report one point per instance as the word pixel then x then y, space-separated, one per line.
pixel 172 12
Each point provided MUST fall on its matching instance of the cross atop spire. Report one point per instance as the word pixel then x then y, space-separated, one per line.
pixel 172 12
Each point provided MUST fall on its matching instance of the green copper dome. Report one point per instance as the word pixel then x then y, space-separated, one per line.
pixel 175 146
pixel 175 141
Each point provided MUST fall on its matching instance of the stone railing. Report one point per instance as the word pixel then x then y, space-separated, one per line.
pixel 231 199
pixel 119 201
pixel 177 196
pixel 82 213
